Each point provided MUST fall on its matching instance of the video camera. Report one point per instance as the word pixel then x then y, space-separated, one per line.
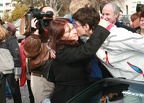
pixel 43 18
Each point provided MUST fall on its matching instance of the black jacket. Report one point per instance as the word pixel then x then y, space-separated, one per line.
pixel 70 69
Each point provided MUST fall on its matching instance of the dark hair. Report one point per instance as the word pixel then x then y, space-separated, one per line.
pixel 56 30
pixel 134 16
pixel 101 6
pixel 87 15
pixel 139 7
pixel 142 14
pixel 142 8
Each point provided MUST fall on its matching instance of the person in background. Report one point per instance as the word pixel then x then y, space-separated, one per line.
pixel 40 87
pixel 134 17
pixel 120 17
pixel 140 30
pixel 10 45
pixel 111 12
pixel 8 91
pixel 135 23
pixel 25 70
pixel 47 8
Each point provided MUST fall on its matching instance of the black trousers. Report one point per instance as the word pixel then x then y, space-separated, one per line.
pixel 14 86
pixel 30 92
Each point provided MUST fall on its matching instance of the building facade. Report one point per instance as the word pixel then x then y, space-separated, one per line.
pixel 6 5
pixel 129 6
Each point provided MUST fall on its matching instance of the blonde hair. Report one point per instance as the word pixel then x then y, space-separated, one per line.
pixel 3 33
pixel 77 4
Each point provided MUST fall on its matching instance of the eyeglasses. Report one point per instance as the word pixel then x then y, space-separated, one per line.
pixel 76 26
pixel 70 30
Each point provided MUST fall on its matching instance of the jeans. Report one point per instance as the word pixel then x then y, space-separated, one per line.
pixel 8 90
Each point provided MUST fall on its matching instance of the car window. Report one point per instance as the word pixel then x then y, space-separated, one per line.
pixel 111 89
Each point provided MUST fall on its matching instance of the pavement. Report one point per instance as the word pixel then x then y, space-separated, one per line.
pixel 24 95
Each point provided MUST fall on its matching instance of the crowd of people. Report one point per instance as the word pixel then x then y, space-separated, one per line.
pixel 76 50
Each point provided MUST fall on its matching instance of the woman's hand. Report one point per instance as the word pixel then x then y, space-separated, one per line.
pixel 52 54
pixel 104 23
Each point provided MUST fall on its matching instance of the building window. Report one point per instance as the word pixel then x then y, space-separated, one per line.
pixel 7 4
pixel 1 5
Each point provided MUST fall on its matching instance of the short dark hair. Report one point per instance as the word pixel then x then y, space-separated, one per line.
pixel 139 8
pixel 87 15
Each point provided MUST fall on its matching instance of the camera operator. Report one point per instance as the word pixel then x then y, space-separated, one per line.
pixel 34 45
pixel 46 8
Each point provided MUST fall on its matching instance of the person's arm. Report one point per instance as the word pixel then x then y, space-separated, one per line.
pixel 85 51
pixel 15 52
pixel 126 40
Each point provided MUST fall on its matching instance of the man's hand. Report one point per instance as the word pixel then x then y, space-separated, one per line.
pixel 17 72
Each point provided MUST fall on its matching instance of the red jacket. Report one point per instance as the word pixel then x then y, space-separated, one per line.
pixel 23 64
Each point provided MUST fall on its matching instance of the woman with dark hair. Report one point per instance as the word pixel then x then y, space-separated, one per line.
pixel 70 69
pixel 140 30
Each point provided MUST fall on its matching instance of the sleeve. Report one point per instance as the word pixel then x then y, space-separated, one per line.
pixel 15 51
pixel 126 40
pixel 85 51
pixel 23 64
